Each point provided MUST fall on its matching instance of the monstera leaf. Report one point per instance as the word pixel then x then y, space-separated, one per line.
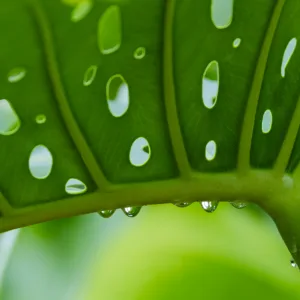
pixel 123 103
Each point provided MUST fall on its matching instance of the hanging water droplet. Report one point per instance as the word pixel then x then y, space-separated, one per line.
pixel 106 213
pixel 210 150
pixel 90 75
pixel 139 53
pixel 81 10
pixel 117 95
pixel 40 162
pixel 9 120
pixel 222 13
pixel 238 204
pixel 131 211
pixel 182 204
pixel 75 187
pixel 40 119
pixel 210 85
pixel 293 264
pixel 267 121
pixel 140 152
pixel 236 43
pixel 16 75
pixel 110 30
pixel 288 53
pixel 209 206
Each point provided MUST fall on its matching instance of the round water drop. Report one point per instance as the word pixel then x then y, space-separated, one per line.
pixel 131 211
pixel 9 120
pixel 117 95
pixel 140 152
pixel 110 30
pixel 16 75
pixel 90 75
pixel 238 204
pixel 288 53
pixel 40 119
pixel 210 150
pixel 222 13
pixel 267 121
pixel 182 204
pixel 106 213
pixel 209 206
pixel 75 187
pixel 81 10
pixel 236 43
pixel 40 162
pixel 210 85
pixel 139 53
pixel 293 263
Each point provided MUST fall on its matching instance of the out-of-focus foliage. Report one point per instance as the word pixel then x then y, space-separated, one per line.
pixel 164 253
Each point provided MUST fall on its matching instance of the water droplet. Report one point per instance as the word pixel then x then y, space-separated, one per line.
pixel 90 75
pixel 131 211
pixel 40 119
pixel 40 162
pixel 222 13
pixel 293 264
pixel 139 53
pixel 182 204
pixel 209 206
pixel 9 120
pixel 75 187
pixel 117 95
pixel 236 43
pixel 81 10
pixel 110 30
pixel 210 150
pixel 238 204
pixel 288 53
pixel 106 213
pixel 140 152
pixel 16 75
pixel 267 121
pixel 210 85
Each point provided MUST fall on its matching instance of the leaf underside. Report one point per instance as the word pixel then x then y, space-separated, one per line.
pixel 166 108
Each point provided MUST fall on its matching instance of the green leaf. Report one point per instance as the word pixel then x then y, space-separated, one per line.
pixel 207 110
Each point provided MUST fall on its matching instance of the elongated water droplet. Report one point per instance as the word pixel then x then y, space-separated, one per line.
pixel 293 263
pixel 236 43
pixel 106 213
pixel 81 10
pixel 209 206
pixel 238 204
pixel 267 121
pixel 182 204
pixel 210 85
pixel 40 162
pixel 110 30
pixel 90 75
pixel 140 152
pixel 9 120
pixel 75 187
pixel 210 150
pixel 131 211
pixel 16 75
pixel 40 119
pixel 139 53
pixel 222 13
pixel 288 53
pixel 117 95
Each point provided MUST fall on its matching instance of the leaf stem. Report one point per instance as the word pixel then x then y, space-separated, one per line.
pixel 169 94
pixel 250 113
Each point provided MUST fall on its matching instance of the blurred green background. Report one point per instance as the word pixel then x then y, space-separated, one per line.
pixel 165 252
